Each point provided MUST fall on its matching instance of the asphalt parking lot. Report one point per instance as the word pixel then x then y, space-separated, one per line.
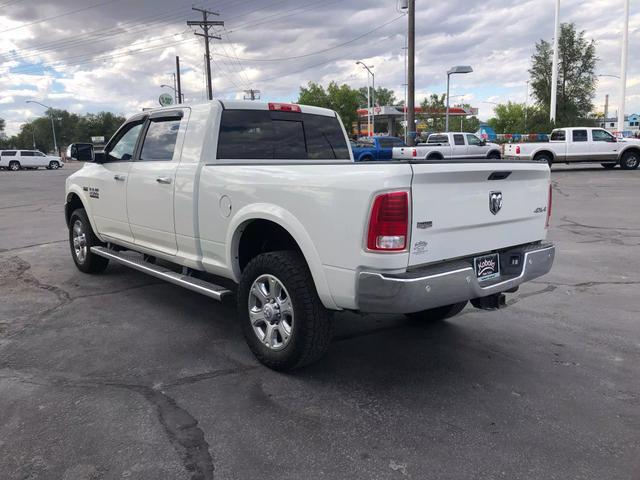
pixel 121 376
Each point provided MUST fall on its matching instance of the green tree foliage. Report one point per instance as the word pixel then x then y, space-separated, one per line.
pixel 576 75
pixel 341 98
pixel 2 125
pixel 512 117
pixel 70 128
pixel 433 108
pixel 383 97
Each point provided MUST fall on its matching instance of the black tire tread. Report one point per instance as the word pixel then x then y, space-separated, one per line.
pixel 623 163
pixel 317 327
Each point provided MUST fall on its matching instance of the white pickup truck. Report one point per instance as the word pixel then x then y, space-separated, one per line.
pixel 579 144
pixel 449 146
pixel 265 199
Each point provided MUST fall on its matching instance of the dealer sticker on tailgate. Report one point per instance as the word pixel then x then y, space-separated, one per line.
pixel 487 267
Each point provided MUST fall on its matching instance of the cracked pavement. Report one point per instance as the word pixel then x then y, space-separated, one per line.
pixel 122 376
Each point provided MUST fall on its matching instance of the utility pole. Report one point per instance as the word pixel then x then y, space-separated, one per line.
pixel 175 89
pixel 554 67
pixel 411 77
pixel 180 99
pixel 252 94
pixel 623 68
pixel 606 109
pixel 526 108
pixel 206 24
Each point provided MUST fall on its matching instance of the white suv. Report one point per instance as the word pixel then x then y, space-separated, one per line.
pixel 19 159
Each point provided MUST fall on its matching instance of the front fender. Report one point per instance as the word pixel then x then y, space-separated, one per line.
pixel 86 204
pixel 285 219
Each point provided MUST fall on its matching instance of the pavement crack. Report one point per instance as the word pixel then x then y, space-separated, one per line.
pixel 24 247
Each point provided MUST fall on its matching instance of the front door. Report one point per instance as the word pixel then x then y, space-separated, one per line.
pixel 151 185
pixel 107 188
pixel 604 146
pixel 476 147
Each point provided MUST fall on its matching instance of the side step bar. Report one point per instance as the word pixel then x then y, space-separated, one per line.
pixel 190 283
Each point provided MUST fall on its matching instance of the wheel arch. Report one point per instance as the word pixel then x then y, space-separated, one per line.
pixel 435 156
pixel 544 151
pixel 277 219
pixel 630 148
pixel 494 151
pixel 74 200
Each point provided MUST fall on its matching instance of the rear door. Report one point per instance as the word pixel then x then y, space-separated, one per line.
pixel 579 147
pixel 27 159
pixel 151 184
pixel 467 208
pixel 459 147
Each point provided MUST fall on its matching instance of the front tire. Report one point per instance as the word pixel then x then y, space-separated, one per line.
pixel 494 156
pixel 81 239
pixel 282 318
pixel 630 160
pixel 545 158
pixel 438 314
pixel 53 165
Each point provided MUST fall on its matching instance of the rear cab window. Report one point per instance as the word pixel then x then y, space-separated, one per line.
pixel 580 136
pixel 438 139
pixel 279 135
pixel 558 136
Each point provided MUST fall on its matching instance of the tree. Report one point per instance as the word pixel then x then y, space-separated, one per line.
pixel 384 96
pixel 2 125
pixel 576 75
pixel 510 118
pixel 341 98
pixel 433 109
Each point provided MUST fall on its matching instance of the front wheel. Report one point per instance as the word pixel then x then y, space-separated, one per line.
pixel 439 313
pixel 630 160
pixel 81 239
pixel 53 165
pixel 283 320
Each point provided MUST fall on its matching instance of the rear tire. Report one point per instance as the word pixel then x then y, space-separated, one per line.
pixel 630 160
pixel 438 314
pixel 545 158
pixel 282 318
pixel 81 239
pixel 14 166
pixel 609 166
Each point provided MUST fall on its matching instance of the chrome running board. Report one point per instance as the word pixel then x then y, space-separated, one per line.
pixel 197 285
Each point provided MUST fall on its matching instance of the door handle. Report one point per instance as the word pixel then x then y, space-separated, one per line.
pixel 119 178
pixel 163 180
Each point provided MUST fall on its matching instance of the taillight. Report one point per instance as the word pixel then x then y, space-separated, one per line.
pixel 517 149
pixel 549 205
pixel 414 152
pixel 285 107
pixel 389 222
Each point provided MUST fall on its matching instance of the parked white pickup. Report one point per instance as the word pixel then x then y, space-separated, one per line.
pixel 268 197
pixel 579 144
pixel 449 146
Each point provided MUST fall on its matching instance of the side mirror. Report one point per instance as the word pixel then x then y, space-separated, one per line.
pixel 99 157
pixel 483 143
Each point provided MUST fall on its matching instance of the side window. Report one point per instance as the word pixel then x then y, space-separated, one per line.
pixel 124 147
pixel 473 140
pixel 26 154
pixel 325 138
pixel 559 135
pixel 9 153
pixel 602 136
pixel 160 140
pixel 580 136
pixel 40 154
pixel 458 139
pixel 385 142
pixel 245 135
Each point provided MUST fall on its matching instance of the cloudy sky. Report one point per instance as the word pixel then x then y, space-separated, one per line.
pixel 92 55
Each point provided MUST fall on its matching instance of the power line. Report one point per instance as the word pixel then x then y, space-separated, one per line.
pixel 59 16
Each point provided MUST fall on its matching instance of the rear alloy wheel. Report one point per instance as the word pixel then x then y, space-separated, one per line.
pixel 14 166
pixel 283 320
pixel 630 160
pixel 53 165
pixel 609 166
pixel 438 314
pixel 494 156
pixel 545 158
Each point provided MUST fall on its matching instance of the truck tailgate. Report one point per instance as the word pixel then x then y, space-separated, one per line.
pixel 451 208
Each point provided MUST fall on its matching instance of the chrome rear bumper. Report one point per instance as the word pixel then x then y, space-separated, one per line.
pixel 446 283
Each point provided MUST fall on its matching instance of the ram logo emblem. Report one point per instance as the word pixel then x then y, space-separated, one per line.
pixel 495 202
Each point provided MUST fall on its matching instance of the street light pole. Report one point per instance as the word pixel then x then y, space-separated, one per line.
pixel 623 67
pixel 371 112
pixel 453 70
pixel 554 67
pixel 411 77
pixel 53 127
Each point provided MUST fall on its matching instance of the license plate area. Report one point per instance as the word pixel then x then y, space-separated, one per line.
pixel 487 267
